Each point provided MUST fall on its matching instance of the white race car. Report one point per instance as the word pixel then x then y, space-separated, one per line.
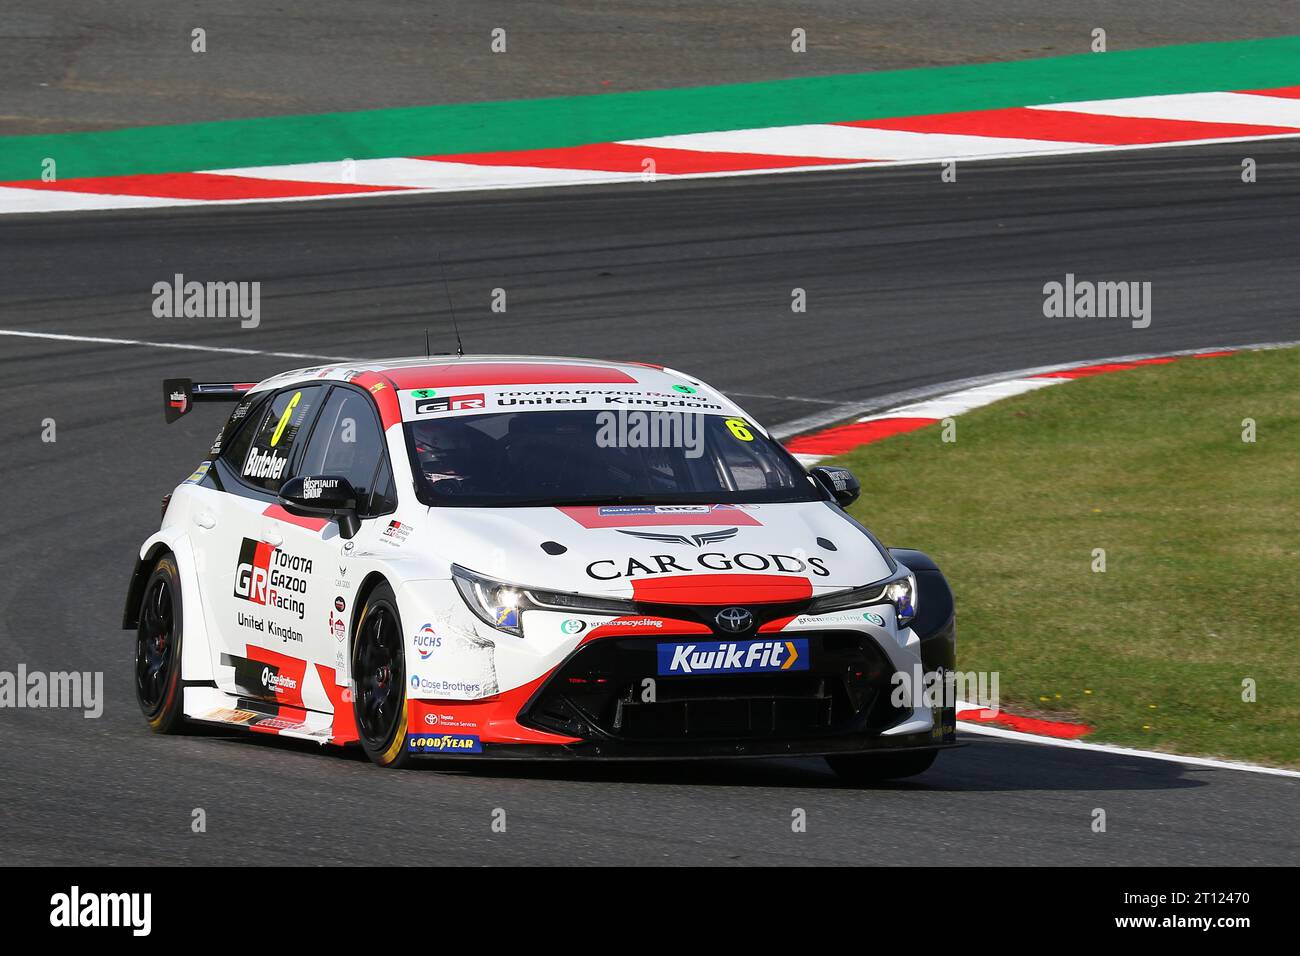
pixel 531 557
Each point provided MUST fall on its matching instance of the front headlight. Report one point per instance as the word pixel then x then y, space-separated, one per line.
pixel 502 605
pixel 899 591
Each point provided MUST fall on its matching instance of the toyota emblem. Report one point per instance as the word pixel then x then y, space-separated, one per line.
pixel 734 620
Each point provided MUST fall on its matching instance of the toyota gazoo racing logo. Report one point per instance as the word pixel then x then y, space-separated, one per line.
pixel 426 642
pixel 271 577
pixel 732 657
pixel 444 743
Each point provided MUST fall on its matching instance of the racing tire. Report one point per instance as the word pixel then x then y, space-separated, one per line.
pixel 158 687
pixel 378 659
pixel 860 769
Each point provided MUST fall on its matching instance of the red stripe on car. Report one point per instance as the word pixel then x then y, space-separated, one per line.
pixel 280 514
pixel 506 373
pixel 290 670
pixel 384 393
pixel 722 589
pixel 626 516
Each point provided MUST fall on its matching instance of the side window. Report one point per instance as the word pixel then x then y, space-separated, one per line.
pixel 267 461
pixel 383 499
pixel 744 465
pixel 347 442
pixel 240 428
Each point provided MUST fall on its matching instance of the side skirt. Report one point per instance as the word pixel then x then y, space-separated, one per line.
pixel 208 705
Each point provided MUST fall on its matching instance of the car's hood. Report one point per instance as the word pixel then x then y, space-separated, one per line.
pixel 792 548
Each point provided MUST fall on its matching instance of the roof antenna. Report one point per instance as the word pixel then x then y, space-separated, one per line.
pixel 455 327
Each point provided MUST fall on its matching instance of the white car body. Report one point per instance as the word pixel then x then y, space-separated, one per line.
pixel 271 599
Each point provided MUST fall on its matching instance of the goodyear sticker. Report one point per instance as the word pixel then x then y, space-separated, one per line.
pixel 444 743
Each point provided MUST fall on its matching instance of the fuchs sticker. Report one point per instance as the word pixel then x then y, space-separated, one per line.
pixel 271 577
pixel 452 403
pixel 732 657
pixel 444 743
pixel 427 641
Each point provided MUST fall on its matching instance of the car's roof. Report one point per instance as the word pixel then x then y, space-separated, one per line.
pixel 381 377
pixel 453 371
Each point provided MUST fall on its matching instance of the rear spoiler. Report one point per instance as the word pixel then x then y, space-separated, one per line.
pixel 180 394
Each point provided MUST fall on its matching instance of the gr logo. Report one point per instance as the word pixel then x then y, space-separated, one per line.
pixel 452 403
pixel 253 570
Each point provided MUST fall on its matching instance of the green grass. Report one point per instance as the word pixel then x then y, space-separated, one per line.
pixel 1202 538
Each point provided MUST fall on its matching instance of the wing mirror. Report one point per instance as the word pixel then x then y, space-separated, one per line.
pixel 327 496
pixel 842 484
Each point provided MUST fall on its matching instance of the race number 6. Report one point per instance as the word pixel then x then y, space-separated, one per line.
pixel 740 428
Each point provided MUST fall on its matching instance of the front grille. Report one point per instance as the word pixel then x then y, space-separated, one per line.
pixel 601 693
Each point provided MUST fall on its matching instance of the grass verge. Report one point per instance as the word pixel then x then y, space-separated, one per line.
pixel 1201 534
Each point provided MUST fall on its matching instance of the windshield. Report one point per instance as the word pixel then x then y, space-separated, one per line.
pixel 541 458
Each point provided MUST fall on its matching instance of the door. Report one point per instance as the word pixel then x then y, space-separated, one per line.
pixel 265 574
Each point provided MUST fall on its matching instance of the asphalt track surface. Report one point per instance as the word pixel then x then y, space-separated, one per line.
pixel 909 281
pixel 72 65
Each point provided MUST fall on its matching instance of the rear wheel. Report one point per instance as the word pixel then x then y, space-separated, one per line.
pixel 873 768
pixel 158 649
pixel 379 680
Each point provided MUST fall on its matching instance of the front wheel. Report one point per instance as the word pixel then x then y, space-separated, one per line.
pixel 379 680
pixel 860 769
pixel 158 649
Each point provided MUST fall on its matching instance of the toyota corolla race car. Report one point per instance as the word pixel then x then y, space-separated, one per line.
pixel 527 557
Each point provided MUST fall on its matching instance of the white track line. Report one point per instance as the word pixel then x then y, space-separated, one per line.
pixel 1124 751
pixel 16 200
pixel 428 174
pixel 1197 107
pixel 858 142
pixel 967 399
pixel 99 340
